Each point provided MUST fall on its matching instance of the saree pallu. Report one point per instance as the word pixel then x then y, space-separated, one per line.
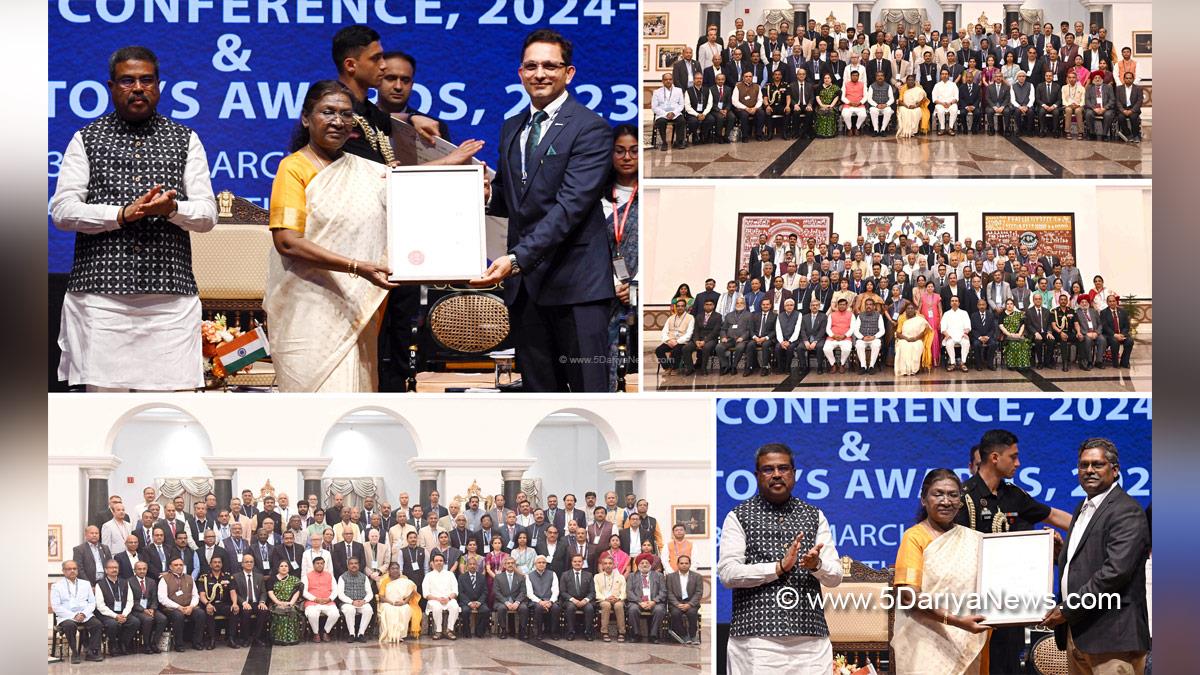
pixel 324 325
pixel 923 645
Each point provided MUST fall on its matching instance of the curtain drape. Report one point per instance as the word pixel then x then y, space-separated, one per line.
pixel 352 490
pixel 192 489
pixel 902 19
pixel 1032 20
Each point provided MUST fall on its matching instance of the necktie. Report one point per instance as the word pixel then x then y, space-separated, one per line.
pixel 348 552
pixel 250 587
pixel 535 135
pixel 162 558
pixel 578 582
pixel 142 584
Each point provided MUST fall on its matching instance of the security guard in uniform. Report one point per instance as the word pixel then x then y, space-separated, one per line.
pixel 992 504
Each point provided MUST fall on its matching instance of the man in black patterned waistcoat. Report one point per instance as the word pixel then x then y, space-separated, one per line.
pixel 133 186
pixel 776 553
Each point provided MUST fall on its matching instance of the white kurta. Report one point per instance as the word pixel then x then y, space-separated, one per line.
pixel 140 341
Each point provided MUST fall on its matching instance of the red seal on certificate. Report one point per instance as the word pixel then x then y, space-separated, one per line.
pixel 416 257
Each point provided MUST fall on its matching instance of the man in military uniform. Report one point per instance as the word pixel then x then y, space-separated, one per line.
pixel 992 504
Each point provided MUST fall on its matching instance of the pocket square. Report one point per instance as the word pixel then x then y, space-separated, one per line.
pixel 551 152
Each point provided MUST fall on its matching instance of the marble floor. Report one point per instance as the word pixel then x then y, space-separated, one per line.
pixel 488 655
pixel 961 156
pixel 1076 380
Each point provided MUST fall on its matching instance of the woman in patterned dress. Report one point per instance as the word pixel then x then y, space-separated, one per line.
pixel 1016 345
pixel 826 123
pixel 495 563
pixel 284 593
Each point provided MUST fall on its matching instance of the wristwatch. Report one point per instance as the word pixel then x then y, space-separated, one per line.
pixel 516 267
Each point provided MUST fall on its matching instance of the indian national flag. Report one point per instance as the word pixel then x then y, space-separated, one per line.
pixel 243 350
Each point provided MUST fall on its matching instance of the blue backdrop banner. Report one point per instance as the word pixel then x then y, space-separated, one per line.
pixel 862 460
pixel 236 70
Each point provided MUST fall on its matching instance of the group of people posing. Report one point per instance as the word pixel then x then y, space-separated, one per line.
pixel 266 568
pixel 910 304
pixel 769 83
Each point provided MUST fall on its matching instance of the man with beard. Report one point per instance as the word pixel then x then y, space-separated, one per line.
pixel 133 185
pixel 757 563
pixel 396 88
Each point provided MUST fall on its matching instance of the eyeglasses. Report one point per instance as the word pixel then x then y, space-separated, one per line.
pixel 146 81
pixel 625 152
pixel 769 470
pixel 549 67
pixel 347 116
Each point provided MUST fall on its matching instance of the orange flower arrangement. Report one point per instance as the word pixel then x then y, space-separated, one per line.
pixel 213 333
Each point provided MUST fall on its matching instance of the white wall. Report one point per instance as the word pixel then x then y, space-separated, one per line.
pixel 567 450
pixel 276 431
pixel 1112 221
pixel 379 447
pixel 157 444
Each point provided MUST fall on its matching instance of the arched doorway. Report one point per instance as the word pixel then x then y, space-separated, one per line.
pixel 567 446
pixel 372 442
pixel 154 442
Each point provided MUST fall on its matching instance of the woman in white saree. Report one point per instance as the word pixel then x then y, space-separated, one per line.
pixel 327 279
pixel 939 559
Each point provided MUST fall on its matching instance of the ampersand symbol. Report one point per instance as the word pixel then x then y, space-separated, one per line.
pixel 850 452
pixel 228 59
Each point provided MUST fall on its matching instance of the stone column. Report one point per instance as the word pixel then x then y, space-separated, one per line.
pixel 799 16
pixel 312 482
pixel 1095 12
pixel 711 16
pixel 512 485
pixel 223 486
pixel 862 14
pixel 949 13
pixel 429 483
pixel 98 471
pixel 1011 13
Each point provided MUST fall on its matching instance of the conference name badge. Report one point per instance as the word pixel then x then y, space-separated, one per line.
pixel 414 565
pixel 620 269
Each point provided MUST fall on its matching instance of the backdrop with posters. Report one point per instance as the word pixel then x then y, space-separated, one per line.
pixel 1047 231
pixel 236 71
pixel 862 460
pixel 816 226
pixel 892 225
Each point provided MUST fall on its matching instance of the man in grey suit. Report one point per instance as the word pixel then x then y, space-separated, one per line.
pixel 998 292
pixel 645 590
pixel 1088 335
pixel 578 594
pixel 812 336
pixel 91 555
pixel 509 590
pixel 998 99
pixel 1098 106
pixel 1049 104
pixel 684 591
pixel 686 68
pixel 1105 552
pixel 1020 293
pixel 735 336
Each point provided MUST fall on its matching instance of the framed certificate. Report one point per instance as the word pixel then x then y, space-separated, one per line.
pixel 435 223
pixel 1016 577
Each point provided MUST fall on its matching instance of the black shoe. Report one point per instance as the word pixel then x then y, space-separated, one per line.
pixel 590 637
pixel 746 373
pixel 95 656
pixel 570 637
pixel 76 658
pixel 654 639
pixel 862 371
pixel 180 648
pixel 765 372
pixel 992 367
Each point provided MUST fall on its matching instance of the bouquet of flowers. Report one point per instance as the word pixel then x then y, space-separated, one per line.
pixel 841 666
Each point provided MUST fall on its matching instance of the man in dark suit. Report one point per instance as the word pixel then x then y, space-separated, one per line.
pixel 762 332
pixel 143 593
pixel 756 259
pixel 554 162
pixel 1037 321
pixel 555 549
pixel 129 556
pixel 143 528
pixel 473 597
pixel 509 531
pixel 778 64
pixel 460 535
pixel 684 591
pixel 261 549
pixel 344 550
pixel 252 611
pixel 877 64
pixel 997 101
pixel 1047 38
pixel 1114 326
pixel 1048 102
pixel 1099 107
pixel 704 339
pixel 811 341
pixel 984 330
pixel 208 549
pixel 953 288
pixel 569 512
pixel 577 594
pixel 1105 552
pixel 158 553
pixel 1129 109
pixel 91 555
pixel 289 550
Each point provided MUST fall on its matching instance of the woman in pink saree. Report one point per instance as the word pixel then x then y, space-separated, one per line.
pixel 931 309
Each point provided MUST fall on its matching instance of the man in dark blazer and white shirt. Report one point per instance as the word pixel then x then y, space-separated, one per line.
pixel 473 596
pixel 1105 552
pixel 680 70
pixel 568 511
pixel 577 593
pixel 86 554
pixel 253 609
pixel 683 601
pixel 558 272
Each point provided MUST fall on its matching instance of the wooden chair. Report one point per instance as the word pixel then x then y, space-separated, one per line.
pixel 861 632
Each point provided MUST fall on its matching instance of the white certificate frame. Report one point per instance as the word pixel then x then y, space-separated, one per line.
pixel 436 225
pixel 1016 564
